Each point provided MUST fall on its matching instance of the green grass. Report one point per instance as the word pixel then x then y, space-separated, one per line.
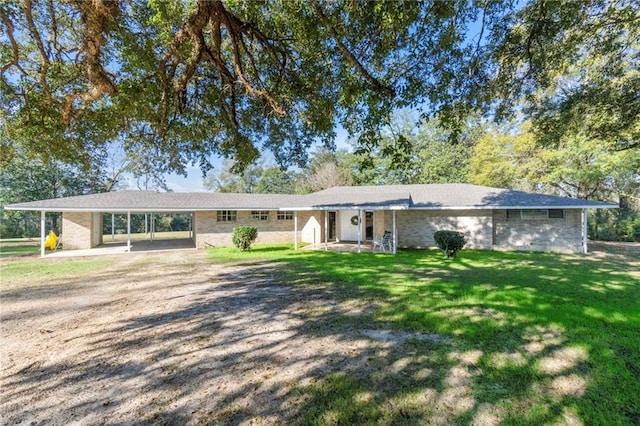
pixel 28 271
pixel 535 337
pixel 259 253
pixel 19 250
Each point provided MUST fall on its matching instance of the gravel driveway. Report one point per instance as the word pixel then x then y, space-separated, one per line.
pixel 173 338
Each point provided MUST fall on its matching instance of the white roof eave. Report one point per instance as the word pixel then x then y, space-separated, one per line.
pixel 300 208
pixel 491 207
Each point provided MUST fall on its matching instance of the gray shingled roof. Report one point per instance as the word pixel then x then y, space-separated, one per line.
pixel 428 197
pixel 445 196
pixel 146 201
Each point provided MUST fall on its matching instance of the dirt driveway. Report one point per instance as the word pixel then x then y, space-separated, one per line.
pixel 171 338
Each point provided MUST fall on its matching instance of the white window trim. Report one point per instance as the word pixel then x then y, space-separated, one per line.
pixel 285 215
pixel 226 215
pixel 260 215
pixel 543 214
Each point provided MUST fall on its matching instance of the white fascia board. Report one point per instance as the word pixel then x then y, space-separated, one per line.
pixel 139 210
pixel 343 207
pixel 574 207
pixel 314 208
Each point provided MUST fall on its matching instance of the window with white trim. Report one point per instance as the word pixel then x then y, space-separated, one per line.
pixel 285 215
pixel 261 215
pixel 226 215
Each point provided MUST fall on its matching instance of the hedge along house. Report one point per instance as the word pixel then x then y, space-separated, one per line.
pixel 491 218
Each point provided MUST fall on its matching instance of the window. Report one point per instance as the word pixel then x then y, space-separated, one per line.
pixel 513 214
pixel 534 213
pixel 262 215
pixel 285 215
pixel 226 215
pixel 556 214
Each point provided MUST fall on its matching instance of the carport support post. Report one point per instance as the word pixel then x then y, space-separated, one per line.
pixel 359 229
pixel 128 232
pixel 42 231
pixel 326 230
pixel 295 230
pixel 113 227
pixel 395 232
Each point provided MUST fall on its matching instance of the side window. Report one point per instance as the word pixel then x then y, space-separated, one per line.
pixel 285 215
pixel 226 215
pixel 261 215
pixel 534 213
pixel 556 214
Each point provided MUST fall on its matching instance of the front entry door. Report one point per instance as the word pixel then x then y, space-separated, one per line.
pixel 348 231
pixel 368 226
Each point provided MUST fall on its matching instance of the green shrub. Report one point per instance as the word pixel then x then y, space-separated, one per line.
pixel 450 242
pixel 244 236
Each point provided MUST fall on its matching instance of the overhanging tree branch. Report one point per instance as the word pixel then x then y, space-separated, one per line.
pixel 375 84
pixel 15 60
pixel 97 16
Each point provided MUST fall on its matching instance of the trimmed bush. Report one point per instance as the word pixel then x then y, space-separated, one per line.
pixel 450 242
pixel 244 236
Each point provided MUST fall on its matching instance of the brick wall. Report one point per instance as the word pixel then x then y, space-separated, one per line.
pixel 208 230
pixel 558 235
pixel 416 227
pixel 81 230
pixel 380 223
pixel 96 232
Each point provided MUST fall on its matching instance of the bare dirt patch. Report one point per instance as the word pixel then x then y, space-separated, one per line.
pixel 172 338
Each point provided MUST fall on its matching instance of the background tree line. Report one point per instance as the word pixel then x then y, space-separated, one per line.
pixel 141 223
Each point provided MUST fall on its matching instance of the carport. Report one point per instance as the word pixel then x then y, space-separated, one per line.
pixel 82 224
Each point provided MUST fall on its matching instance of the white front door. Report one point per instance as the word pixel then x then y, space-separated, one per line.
pixel 348 231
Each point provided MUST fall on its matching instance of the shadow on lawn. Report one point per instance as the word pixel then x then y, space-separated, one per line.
pixel 288 342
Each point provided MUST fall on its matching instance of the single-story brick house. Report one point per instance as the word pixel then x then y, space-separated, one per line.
pixel 491 218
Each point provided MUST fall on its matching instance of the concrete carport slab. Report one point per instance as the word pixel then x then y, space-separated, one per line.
pixel 136 246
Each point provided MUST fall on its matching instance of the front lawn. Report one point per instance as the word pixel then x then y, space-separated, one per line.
pixel 521 338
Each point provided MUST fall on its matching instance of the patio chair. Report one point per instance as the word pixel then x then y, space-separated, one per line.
pixel 384 243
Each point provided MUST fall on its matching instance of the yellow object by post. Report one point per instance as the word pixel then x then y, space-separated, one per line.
pixel 51 241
